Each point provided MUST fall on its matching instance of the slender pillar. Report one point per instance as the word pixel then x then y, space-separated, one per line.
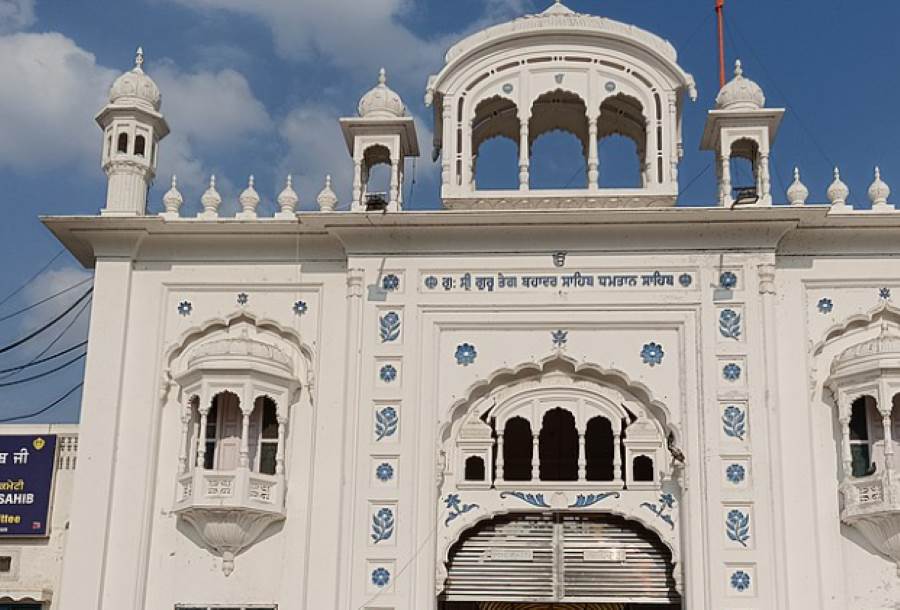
pixel 500 478
pixel 582 459
pixel 618 471
pixel 725 187
pixel 847 456
pixel 357 182
pixel 523 155
pixel 245 442
pixel 185 438
pixel 535 457
pixel 201 438
pixel 395 184
pixel 765 195
pixel 279 451
pixel 593 156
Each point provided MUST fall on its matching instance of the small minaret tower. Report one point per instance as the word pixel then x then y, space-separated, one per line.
pixel 382 133
pixel 132 128
pixel 742 127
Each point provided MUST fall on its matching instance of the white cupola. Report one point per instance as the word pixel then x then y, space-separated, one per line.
pixel 741 127
pixel 382 133
pixel 132 128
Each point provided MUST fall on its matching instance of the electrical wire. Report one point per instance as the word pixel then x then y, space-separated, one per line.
pixel 44 373
pixel 50 345
pixel 43 360
pixel 34 334
pixel 33 277
pixel 44 409
pixel 45 299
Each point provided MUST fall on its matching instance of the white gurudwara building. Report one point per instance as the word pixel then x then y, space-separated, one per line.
pixel 579 398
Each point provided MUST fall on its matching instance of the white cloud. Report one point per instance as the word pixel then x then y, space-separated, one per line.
pixel 16 15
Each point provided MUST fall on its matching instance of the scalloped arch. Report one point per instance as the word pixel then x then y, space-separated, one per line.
pixel 857 321
pixel 507 377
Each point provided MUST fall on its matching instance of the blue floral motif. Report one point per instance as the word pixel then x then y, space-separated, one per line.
pixel 735 473
pixel 380 577
pixel 583 501
pixel 382 525
pixel 431 282
pixel 731 371
pixel 456 508
pixel 243 298
pixel 884 293
pixel 825 305
pixel 384 472
pixel 389 326
pixel 663 510
pixel 300 308
pixel 185 308
pixel 560 337
pixel 685 280
pixel 727 280
pixel 652 354
pixel 740 581
pixel 465 354
pixel 737 526
pixel 388 373
pixel 734 422
pixel 730 324
pixel 390 282
pixel 530 498
pixel 385 423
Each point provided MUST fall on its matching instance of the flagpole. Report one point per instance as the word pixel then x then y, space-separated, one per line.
pixel 720 12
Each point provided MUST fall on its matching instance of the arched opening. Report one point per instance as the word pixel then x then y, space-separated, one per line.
pixel 558 139
pixel 517 450
pixel 474 468
pixel 623 149
pixel 140 145
pixel 743 165
pixel 559 561
pixel 376 176
pixel 558 446
pixel 223 432
pixel 862 416
pixel 495 145
pixel 599 450
pixel 264 432
pixel 642 468
pixel 122 145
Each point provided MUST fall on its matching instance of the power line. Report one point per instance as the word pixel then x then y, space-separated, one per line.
pixel 43 360
pixel 33 277
pixel 43 410
pixel 28 337
pixel 45 299
pixel 45 373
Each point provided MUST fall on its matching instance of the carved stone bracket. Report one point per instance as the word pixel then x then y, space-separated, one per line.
pixel 227 531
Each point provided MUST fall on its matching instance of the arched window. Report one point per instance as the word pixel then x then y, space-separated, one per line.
pixel 474 468
pixel 122 145
pixel 376 174
pixel 860 435
pixel 599 449
pixel 743 166
pixel 623 147
pixel 642 467
pixel 558 446
pixel 620 162
pixel 517 450
pixel 495 145
pixel 558 160
pixel 265 419
pixel 140 144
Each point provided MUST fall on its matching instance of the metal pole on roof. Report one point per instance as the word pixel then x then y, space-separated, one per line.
pixel 720 12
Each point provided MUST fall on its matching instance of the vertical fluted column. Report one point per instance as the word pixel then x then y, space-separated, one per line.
pixel 186 414
pixel 846 455
pixel 501 464
pixel 524 159
pixel 582 459
pixel 245 441
pixel 394 201
pixel 618 471
pixel 535 457
pixel 279 451
pixel 201 437
pixel 357 182
pixel 765 182
pixel 725 181
pixel 593 156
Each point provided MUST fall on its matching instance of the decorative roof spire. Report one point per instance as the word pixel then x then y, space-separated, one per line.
pixel 211 199
pixel 249 199
pixel 740 93
pixel 382 77
pixel 838 191
pixel 139 60
pixel 879 193
pixel 738 69
pixel 172 200
pixel 797 192
pixel 327 200
pixel 288 199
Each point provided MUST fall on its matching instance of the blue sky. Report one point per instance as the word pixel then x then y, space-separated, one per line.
pixel 257 87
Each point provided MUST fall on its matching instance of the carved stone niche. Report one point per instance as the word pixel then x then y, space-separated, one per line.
pixel 870 370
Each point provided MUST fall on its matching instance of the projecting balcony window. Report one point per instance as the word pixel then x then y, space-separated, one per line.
pixel 223 434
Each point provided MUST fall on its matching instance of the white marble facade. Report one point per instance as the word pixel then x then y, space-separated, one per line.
pixel 385 409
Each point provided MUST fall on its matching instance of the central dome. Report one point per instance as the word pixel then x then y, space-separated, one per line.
pixel 135 87
pixel 740 93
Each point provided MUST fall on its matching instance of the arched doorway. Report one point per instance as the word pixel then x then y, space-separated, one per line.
pixel 559 561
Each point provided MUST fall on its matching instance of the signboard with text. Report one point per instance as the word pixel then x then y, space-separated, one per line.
pixel 26 484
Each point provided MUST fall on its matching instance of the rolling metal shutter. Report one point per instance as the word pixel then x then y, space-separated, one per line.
pixel 556 557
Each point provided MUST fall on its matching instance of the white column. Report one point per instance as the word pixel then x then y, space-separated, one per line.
pixel 725 181
pixel 186 414
pixel 765 195
pixel 524 160
pixel 618 471
pixel 593 156
pixel 846 455
pixel 357 182
pixel 201 438
pixel 279 452
pixel 395 185
pixel 582 459
pixel 535 457
pixel 500 462
pixel 245 442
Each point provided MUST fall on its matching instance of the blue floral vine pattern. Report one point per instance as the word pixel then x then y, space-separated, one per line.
pixel 740 581
pixel 386 421
pixel 664 509
pixel 730 324
pixel 737 526
pixel 734 422
pixel 390 282
pixel 465 354
pixel 456 508
pixel 382 525
pixel 389 326
pixel 185 308
pixel 560 338
pixel 582 501
pixel 825 305
pixel 530 498
pixel 728 280
pixel 381 577
pixel 652 354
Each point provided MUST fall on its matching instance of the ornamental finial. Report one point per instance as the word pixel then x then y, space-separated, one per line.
pixel 797 192
pixel 738 68
pixel 382 77
pixel 139 59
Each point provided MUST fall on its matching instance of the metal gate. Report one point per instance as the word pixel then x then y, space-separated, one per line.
pixel 560 557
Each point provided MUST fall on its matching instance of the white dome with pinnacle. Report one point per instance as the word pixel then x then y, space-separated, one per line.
pixel 381 102
pixel 740 93
pixel 135 87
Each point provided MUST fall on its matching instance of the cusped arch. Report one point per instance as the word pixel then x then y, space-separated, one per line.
pixel 862 321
